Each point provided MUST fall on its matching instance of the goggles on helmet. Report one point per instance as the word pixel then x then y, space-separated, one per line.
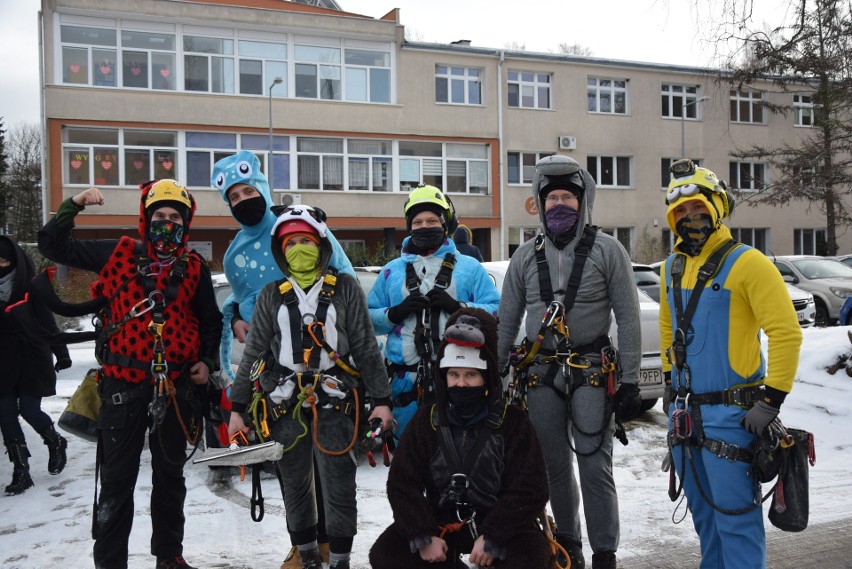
pixel 315 217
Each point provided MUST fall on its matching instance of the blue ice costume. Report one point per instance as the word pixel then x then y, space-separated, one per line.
pixel 470 284
pixel 248 262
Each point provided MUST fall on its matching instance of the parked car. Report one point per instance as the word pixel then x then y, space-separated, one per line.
pixel 845 259
pixel 647 280
pixel 828 280
pixel 651 384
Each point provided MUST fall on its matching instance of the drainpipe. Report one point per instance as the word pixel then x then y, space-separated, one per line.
pixel 501 154
pixel 44 204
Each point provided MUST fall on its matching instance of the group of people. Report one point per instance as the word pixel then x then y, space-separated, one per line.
pixel 477 462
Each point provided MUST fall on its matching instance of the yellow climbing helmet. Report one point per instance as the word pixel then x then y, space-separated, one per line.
pixel 430 197
pixel 689 179
pixel 167 190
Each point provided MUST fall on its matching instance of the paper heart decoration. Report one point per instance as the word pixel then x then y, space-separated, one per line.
pixel 106 164
pixel 74 68
pixel 165 72
pixel 76 164
pixel 167 164
pixel 105 69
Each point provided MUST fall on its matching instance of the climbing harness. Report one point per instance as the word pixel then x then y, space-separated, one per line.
pixel 427 335
pixel 594 364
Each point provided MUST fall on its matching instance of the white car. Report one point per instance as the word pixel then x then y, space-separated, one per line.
pixel 651 384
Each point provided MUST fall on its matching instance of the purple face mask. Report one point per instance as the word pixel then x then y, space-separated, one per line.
pixel 560 219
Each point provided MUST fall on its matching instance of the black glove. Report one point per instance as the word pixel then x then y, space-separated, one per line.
pixel 410 304
pixel 627 402
pixel 62 362
pixel 439 298
pixel 759 417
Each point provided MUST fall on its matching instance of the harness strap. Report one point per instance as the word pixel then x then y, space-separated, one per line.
pixel 111 358
pixel 581 253
pixel 740 396
pixel 291 302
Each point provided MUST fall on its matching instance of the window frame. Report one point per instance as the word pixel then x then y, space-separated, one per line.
pixel 595 89
pixel 686 98
pixel 802 108
pixel 756 184
pixel 468 81
pixel 746 99
pixel 757 237
pixel 531 80
pixel 526 162
pixel 597 170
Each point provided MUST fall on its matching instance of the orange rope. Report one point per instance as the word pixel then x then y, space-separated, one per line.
pixel 312 399
pixel 451 527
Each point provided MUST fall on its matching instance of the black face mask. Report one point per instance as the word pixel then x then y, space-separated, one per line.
pixel 467 400
pixel 427 239
pixel 251 211
pixel 694 229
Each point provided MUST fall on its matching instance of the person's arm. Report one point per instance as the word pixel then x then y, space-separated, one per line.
pixel 55 241
pixel 260 340
pixel 621 286
pixel 378 302
pixel 524 491
pixel 209 319
pixel 512 307
pixel 408 479
pixel 665 320
pixel 483 293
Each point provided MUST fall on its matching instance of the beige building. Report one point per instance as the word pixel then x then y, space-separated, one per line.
pixel 355 116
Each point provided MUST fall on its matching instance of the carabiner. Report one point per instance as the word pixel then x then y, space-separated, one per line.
pixel 557 309
pixel 141 307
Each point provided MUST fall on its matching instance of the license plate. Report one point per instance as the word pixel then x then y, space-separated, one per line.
pixel 650 376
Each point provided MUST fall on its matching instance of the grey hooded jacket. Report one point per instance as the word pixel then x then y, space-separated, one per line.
pixel 606 286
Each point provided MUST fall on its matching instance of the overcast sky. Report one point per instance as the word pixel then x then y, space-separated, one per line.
pixel 660 31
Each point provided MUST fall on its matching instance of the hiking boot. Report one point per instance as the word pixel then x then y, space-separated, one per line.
pixel 174 562
pixel 324 552
pixel 575 553
pixel 56 445
pixel 339 565
pixel 603 560
pixel 293 559
pixel 311 560
pixel 19 455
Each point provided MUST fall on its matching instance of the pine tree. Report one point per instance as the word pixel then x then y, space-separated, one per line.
pixel 4 183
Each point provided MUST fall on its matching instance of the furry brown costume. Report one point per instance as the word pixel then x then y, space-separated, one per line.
pixel 508 482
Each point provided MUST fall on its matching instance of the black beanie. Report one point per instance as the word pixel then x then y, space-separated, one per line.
pixel 421 207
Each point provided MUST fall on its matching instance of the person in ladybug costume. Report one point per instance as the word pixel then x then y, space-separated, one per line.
pixel 159 346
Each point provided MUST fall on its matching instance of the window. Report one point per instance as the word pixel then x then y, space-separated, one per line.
pixel 280 156
pixel 203 149
pixel 318 72
pixel 88 56
pixel 747 176
pixel 320 163
pixel 756 237
pixel 110 157
pixel 809 242
pixel 529 90
pixel 667 242
pixel 455 168
pixel 803 110
pixel 521 166
pixel 467 168
pixel 665 172
pixel 746 106
pixel 148 60
pixel 458 85
pixel 370 165
pixel 260 63
pixel 208 64
pixel 607 95
pixel 520 235
pixel 623 234
pixel 610 171
pixel 679 101
pixel 150 155
pixel 367 75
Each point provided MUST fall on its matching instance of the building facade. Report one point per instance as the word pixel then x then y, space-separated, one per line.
pixel 347 116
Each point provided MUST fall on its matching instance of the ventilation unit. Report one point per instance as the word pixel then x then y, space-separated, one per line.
pixel 290 199
pixel 567 142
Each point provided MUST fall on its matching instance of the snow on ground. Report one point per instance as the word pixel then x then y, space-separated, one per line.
pixel 49 525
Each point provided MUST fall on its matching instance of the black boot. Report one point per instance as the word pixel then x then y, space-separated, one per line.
pixel 19 454
pixel 603 560
pixel 311 559
pixel 56 445
pixel 575 553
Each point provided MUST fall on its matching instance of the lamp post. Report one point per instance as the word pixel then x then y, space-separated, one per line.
pixel 276 81
pixel 682 115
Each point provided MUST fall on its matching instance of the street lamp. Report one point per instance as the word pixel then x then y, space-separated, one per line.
pixel 276 81
pixel 682 115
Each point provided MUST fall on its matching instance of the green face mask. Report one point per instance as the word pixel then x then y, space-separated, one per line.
pixel 303 261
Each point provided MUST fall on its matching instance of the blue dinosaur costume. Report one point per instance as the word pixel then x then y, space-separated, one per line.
pixel 248 262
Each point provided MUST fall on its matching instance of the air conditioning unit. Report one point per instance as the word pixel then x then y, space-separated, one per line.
pixel 290 199
pixel 567 142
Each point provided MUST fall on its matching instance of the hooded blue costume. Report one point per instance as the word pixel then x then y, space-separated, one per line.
pixel 248 262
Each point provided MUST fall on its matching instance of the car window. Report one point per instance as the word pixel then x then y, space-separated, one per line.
pixel 645 276
pixel 366 280
pixel 822 268
pixel 784 269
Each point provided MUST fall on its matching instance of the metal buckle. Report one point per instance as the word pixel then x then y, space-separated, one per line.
pixel 118 398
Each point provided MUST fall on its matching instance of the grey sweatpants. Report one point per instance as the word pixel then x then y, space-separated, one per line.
pixel 556 420
pixel 336 473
